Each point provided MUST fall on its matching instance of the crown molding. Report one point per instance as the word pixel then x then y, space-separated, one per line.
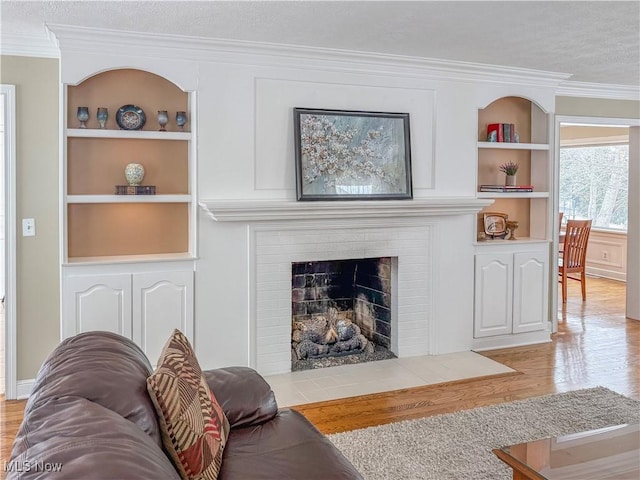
pixel 82 40
pixel 599 90
pixel 29 45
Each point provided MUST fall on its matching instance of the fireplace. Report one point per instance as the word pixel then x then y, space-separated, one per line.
pixel 432 270
pixel 277 247
pixel 341 312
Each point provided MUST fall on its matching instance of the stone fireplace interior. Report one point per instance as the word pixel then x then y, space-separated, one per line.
pixel 341 312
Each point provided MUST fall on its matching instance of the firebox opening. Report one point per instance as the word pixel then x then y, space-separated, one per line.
pixel 341 312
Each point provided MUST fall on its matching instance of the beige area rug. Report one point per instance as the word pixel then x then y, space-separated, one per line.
pixel 458 445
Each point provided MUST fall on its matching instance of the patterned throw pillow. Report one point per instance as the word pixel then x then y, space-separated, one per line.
pixel 194 427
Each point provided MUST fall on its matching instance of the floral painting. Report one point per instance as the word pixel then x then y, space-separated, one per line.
pixel 352 155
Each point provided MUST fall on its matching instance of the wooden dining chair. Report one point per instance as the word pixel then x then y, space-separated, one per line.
pixel 560 234
pixel 574 254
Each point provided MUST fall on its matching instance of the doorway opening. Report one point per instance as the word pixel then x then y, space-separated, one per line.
pixel 595 182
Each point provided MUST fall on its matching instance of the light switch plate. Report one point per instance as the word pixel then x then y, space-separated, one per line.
pixel 28 227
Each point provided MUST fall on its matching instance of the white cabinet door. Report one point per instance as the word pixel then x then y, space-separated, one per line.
pixel 96 302
pixel 530 291
pixel 162 301
pixel 493 296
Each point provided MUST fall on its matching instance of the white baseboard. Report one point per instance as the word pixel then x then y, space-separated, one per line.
pixel 24 387
pixel 512 340
pixel 604 273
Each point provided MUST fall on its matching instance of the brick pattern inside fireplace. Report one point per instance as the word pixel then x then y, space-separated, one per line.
pixel 339 294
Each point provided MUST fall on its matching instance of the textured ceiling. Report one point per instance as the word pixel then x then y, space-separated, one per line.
pixel 596 42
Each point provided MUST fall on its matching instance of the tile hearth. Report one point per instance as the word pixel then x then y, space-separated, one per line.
pixel 324 384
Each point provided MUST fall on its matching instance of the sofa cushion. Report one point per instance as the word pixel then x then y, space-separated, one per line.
pixel 286 447
pixel 102 367
pixel 70 437
pixel 194 427
pixel 245 397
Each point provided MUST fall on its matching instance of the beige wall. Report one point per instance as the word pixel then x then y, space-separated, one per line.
pixel 597 107
pixel 37 261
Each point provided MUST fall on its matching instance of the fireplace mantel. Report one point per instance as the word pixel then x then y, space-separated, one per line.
pixel 274 210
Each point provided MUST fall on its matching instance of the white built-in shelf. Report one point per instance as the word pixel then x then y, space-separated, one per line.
pixel 133 134
pixel 128 198
pixel 141 258
pixel 513 195
pixel 514 146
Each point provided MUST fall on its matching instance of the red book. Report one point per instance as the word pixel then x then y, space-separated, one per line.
pixel 494 132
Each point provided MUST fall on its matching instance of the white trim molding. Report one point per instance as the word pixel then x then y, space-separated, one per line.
pixel 81 40
pixel 29 46
pixel 9 94
pixel 23 388
pixel 270 210
pixel 598 90
pixel 199 47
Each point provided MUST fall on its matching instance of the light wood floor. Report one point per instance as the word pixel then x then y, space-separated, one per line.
pixel 595 346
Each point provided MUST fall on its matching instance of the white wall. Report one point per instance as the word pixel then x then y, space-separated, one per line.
pixel 607 254
pixel 246 152
pixel 253 117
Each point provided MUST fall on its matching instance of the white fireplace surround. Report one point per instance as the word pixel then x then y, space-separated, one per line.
pixel 276 247
pixel 284 232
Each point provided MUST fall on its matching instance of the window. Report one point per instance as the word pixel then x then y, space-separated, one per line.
pixel 594 184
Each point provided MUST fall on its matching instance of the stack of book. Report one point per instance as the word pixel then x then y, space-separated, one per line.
pixel 502 132
pixel 135 190
pixel 506 188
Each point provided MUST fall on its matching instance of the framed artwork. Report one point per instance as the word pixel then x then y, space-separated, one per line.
pixel 352 155
pixel 495 224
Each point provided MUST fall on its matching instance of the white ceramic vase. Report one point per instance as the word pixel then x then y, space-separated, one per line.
pixel 510 181
pixel 134 173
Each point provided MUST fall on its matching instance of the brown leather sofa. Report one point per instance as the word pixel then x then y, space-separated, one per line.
pixel 90 417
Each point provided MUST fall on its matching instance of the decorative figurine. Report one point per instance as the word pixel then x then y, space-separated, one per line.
pixel 102 116
pixel 512 226
pixel 181 119
pixel 163 119
pixel 134 173
pixel 83 116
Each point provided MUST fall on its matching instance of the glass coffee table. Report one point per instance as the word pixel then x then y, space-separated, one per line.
pixel 604 454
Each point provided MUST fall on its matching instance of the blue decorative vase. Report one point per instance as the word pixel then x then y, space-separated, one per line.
pixel 83 116
pixel 181 120
pixel 163 119
pixel 102 116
